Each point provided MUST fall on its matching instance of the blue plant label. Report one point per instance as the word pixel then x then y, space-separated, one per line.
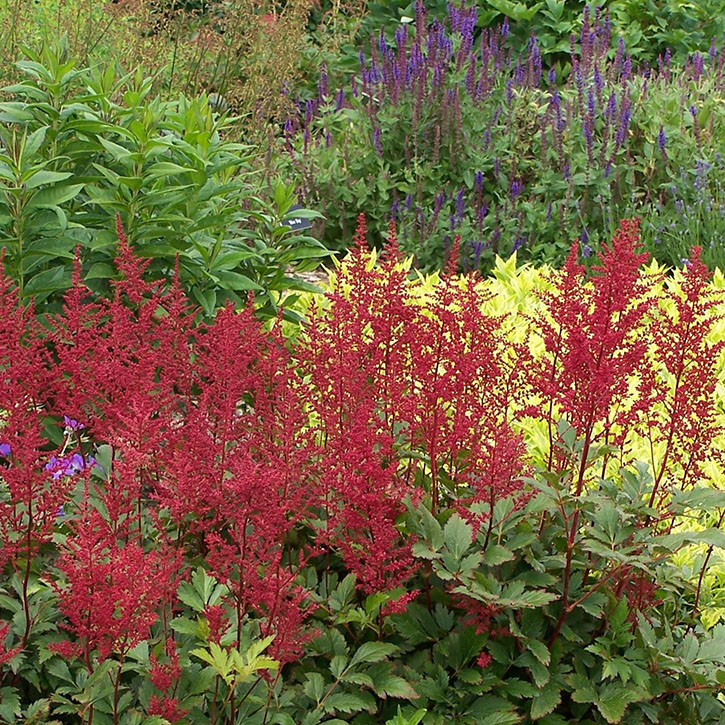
pixel 296 222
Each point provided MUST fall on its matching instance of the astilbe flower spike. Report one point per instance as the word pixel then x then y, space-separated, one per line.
pixel 683 419
pixel 390 378
pixel 29 495
pixel 112 593
pixel 594 346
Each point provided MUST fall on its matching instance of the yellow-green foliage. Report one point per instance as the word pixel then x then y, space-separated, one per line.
pixel 514 294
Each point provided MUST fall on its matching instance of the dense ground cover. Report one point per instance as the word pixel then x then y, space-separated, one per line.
pixel 437 494
pixel 425 495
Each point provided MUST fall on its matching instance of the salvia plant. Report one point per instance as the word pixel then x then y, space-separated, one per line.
pixel 448 131
pixel 441 502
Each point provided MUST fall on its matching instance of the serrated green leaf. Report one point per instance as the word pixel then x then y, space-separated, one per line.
pixel 539 650
pixel 314 686
pixel 349 702
pixel 372 652
pixel 545 700
pixel 496 554
pixel 457 536
pixel 9 704
pixel 614 699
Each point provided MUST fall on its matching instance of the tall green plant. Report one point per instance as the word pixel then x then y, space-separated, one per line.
pixel 82 146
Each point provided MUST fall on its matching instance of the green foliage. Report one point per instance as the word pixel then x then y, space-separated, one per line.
pixel 648 27
pixel 82 146
pixel 613 660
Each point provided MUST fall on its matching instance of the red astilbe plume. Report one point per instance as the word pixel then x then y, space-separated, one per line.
pixel 354 354
pixel 460 395
pixel 237 473
pixel 682 421
pixel 164 677
pixel 127 375
pixel 112 593
pixel 392 374
pixel 595 346
pixel 30 494
pixel 6 654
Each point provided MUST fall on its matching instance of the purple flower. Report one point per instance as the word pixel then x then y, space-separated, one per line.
pixel 438 203
pixel 55 466
pixel 551 76
pixel 612 105
pixel 478 181
pixel 401 35
pixel 376 142
pixel 516 189
pixel 662 140
pixel 68 465
pixel 72 423
pixel 598 80
pixel 477 251
pixel 339 99
pixel 586 251
pixel 627 70
pixel 5 449
pixel 322 85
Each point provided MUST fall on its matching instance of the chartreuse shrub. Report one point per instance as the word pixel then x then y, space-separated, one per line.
pixel 80 146
pixel 449 131
pixel 447 500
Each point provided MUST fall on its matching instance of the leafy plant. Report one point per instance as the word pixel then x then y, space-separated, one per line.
pixel 447 500
pixel 83 148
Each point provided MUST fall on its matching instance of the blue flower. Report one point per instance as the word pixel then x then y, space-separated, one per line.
pixel 5 449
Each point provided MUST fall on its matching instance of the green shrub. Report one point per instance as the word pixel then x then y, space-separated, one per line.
pixel 648 27
pixel 82 146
